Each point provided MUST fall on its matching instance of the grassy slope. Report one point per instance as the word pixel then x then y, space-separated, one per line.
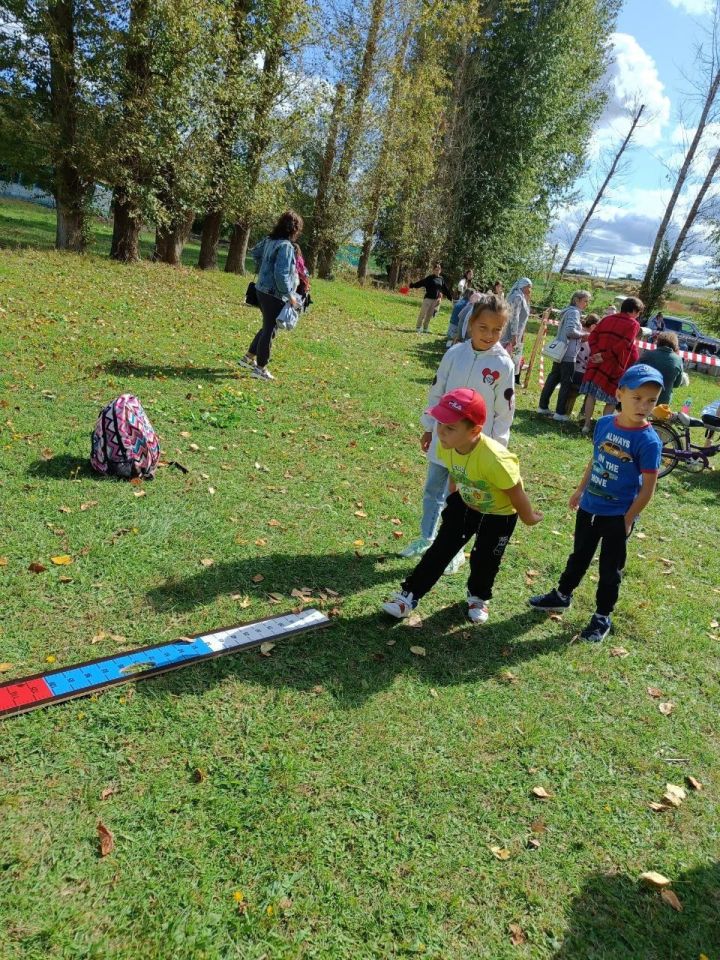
pixel 349 789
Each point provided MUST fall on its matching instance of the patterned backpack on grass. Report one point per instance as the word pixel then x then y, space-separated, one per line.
pixel 124 443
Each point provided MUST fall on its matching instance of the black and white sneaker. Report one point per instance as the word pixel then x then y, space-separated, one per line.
pixel 597 629
pixel 553 602
pixel 246 363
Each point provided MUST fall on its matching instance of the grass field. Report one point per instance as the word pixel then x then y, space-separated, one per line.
pixel 340 798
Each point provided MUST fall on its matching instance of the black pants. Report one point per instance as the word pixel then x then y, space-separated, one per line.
pixel 561 373
pixel 609 532
pixel 458 525
pixel 270 307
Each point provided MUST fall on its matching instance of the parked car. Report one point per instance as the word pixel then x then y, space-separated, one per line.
pixel 690 337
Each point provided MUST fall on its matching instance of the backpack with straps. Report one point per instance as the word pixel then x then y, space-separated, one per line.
pixel 124 443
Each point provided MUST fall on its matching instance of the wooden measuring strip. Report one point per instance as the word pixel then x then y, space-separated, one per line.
pixel 54 686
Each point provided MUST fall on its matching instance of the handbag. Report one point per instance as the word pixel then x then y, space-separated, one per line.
pixel 288 317
pixel 555 350
pixel 251 297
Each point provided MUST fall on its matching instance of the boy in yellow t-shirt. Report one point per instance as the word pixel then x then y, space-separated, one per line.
pixel 486 498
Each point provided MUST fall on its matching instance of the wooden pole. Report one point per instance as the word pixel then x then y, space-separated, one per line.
pixel 539 341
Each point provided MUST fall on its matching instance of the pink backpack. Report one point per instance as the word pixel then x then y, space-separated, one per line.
pixel 124 442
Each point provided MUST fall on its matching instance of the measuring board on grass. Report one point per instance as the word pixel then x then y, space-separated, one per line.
pixel 43 689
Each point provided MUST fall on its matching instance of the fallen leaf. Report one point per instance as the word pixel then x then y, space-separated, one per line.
pixel 116 637
pixel 398 534
pixel 37 568
pixel 63 560
pixel 260 542
pixel 3 561
pixel 211 490
pixel 618 652
pixel 418 651
pixel 693 783
pixel 266 647
pixel 258 578
pixel 274 523
pixel 674 795
pixel 396 521
pixel 654 692
pixel 360 513
pixel 500 853
pixel 538 826
pixel 140 493
pixel 185 434
pixel 433 692
pixel 541 793
pixel 533 843
pixel 51 658
pixel 107 841
pixel 331 593
pixel 666 708
pixel 88 504
pixel 671 899
pixel 318 688
pixel 207 562
pixel 64 509
pixel 65 580
pixel 4 667
pixel 714 624
pixel 195 447
pixel 658 807
pixel 654 879
pixel 507 676
pixel 275 597
pixel 358 543
pixel 517 935
pixel 199 775
pixel 414 620
pixel 668 563
pixel 108 792
pixel 557 617
pixel 640 535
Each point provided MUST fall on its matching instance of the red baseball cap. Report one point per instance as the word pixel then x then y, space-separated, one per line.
pixel 460 404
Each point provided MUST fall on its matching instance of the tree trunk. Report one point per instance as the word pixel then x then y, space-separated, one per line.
pixel 647 283
pixel 71 192
pixel 364 261
pixel 212 226
pixel 125 245
pixel 394 272
pixel 322 196
pixel 328 246
pixel 170 240
pixel 601 191
pixel 237 252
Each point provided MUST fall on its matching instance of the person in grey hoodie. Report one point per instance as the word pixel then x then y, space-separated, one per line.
pixel 513 335
pixel 572 332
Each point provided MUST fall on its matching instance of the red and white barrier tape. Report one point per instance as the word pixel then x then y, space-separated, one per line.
pixel 541 370
pixel 711 361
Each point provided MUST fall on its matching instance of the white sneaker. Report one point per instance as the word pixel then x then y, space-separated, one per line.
pixel 417 548
pixel 477 611
pixel 561 417
pixel 544 412
pixel 400 605
pixel 246 364
pixel 457 561
pixel 261 373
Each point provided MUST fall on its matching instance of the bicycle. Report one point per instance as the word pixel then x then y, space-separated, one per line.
pixel 677 442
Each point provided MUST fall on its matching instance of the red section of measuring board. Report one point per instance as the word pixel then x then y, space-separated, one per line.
pixel 19 696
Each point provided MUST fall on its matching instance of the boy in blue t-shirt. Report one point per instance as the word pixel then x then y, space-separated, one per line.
pixel 610 497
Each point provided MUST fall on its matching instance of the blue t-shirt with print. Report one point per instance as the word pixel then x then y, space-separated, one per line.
pixel 620 456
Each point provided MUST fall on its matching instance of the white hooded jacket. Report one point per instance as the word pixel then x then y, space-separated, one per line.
pixel 491 373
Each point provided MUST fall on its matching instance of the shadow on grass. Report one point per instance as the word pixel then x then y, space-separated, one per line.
pixel 429 351
pixel 351 659
pixel 65 466
pixel 156 371
pixel 532 424
pixel 615 918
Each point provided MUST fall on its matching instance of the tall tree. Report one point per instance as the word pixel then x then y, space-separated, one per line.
pixel 322 196
pixel 603 187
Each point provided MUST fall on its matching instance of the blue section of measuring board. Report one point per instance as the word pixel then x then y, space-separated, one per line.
pixel 17 696
pixel 125 666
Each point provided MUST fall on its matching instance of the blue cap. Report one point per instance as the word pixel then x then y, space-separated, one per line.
pixel 639 374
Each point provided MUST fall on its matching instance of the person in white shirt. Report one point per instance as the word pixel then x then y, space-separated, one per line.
pixel 482 364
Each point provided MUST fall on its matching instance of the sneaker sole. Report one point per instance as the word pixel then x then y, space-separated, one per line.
pixel 548 609
pixel 394 614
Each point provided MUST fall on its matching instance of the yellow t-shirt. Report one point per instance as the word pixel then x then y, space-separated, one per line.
pixel 483 475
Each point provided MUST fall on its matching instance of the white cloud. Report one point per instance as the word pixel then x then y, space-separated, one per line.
pixel 694 7
pixel 631 78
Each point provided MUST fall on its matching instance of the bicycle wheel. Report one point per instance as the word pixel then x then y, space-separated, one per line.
pixel 671 444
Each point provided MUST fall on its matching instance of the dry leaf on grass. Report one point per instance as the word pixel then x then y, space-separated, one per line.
pixel 655 692
pixel 671 899
pixel 3 561
pixel 194 447
pixel 618 652
pixel 185 434
pixel 207 562
pixel 693 783
pixel 674 795
pixel 533 843
pixel 260 542
pixel 500 853
pixel 654 879
pixel 64 509
pixel 358 543
pixel 414 620
pixel 507 676
pixel 398 534
pixel 108 792
pixel 4 667
pixel 274 523
pixel 418 651
pixel 541 793
pixel 63 560
pixel 658 807
pixel 258 578
pixel 538 826
pixel 266 647
pixel 640 535
pixel 557 617
pixel 517 935
pixel 88 505
pixel 107 841
pixel 666 708
pixel 139 493
pixel 37 568
pixel 361 514
pixel 714 624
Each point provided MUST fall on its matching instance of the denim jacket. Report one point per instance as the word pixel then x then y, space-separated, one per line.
pixel 275 264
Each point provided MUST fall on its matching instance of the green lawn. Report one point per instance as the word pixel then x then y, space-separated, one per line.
pixel 349 791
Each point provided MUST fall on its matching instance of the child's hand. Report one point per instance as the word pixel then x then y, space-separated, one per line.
pixel 629 521
pixel 574 501
pixel 425 441
pixel 535 516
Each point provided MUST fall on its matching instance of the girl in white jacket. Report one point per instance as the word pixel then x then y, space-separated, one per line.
pixel 483 365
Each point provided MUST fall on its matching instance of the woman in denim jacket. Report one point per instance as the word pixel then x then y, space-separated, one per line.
pixel 276 283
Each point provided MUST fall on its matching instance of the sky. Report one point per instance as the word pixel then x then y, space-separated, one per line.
pixel 653 57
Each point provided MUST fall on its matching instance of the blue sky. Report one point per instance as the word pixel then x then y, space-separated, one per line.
pixel 654 49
